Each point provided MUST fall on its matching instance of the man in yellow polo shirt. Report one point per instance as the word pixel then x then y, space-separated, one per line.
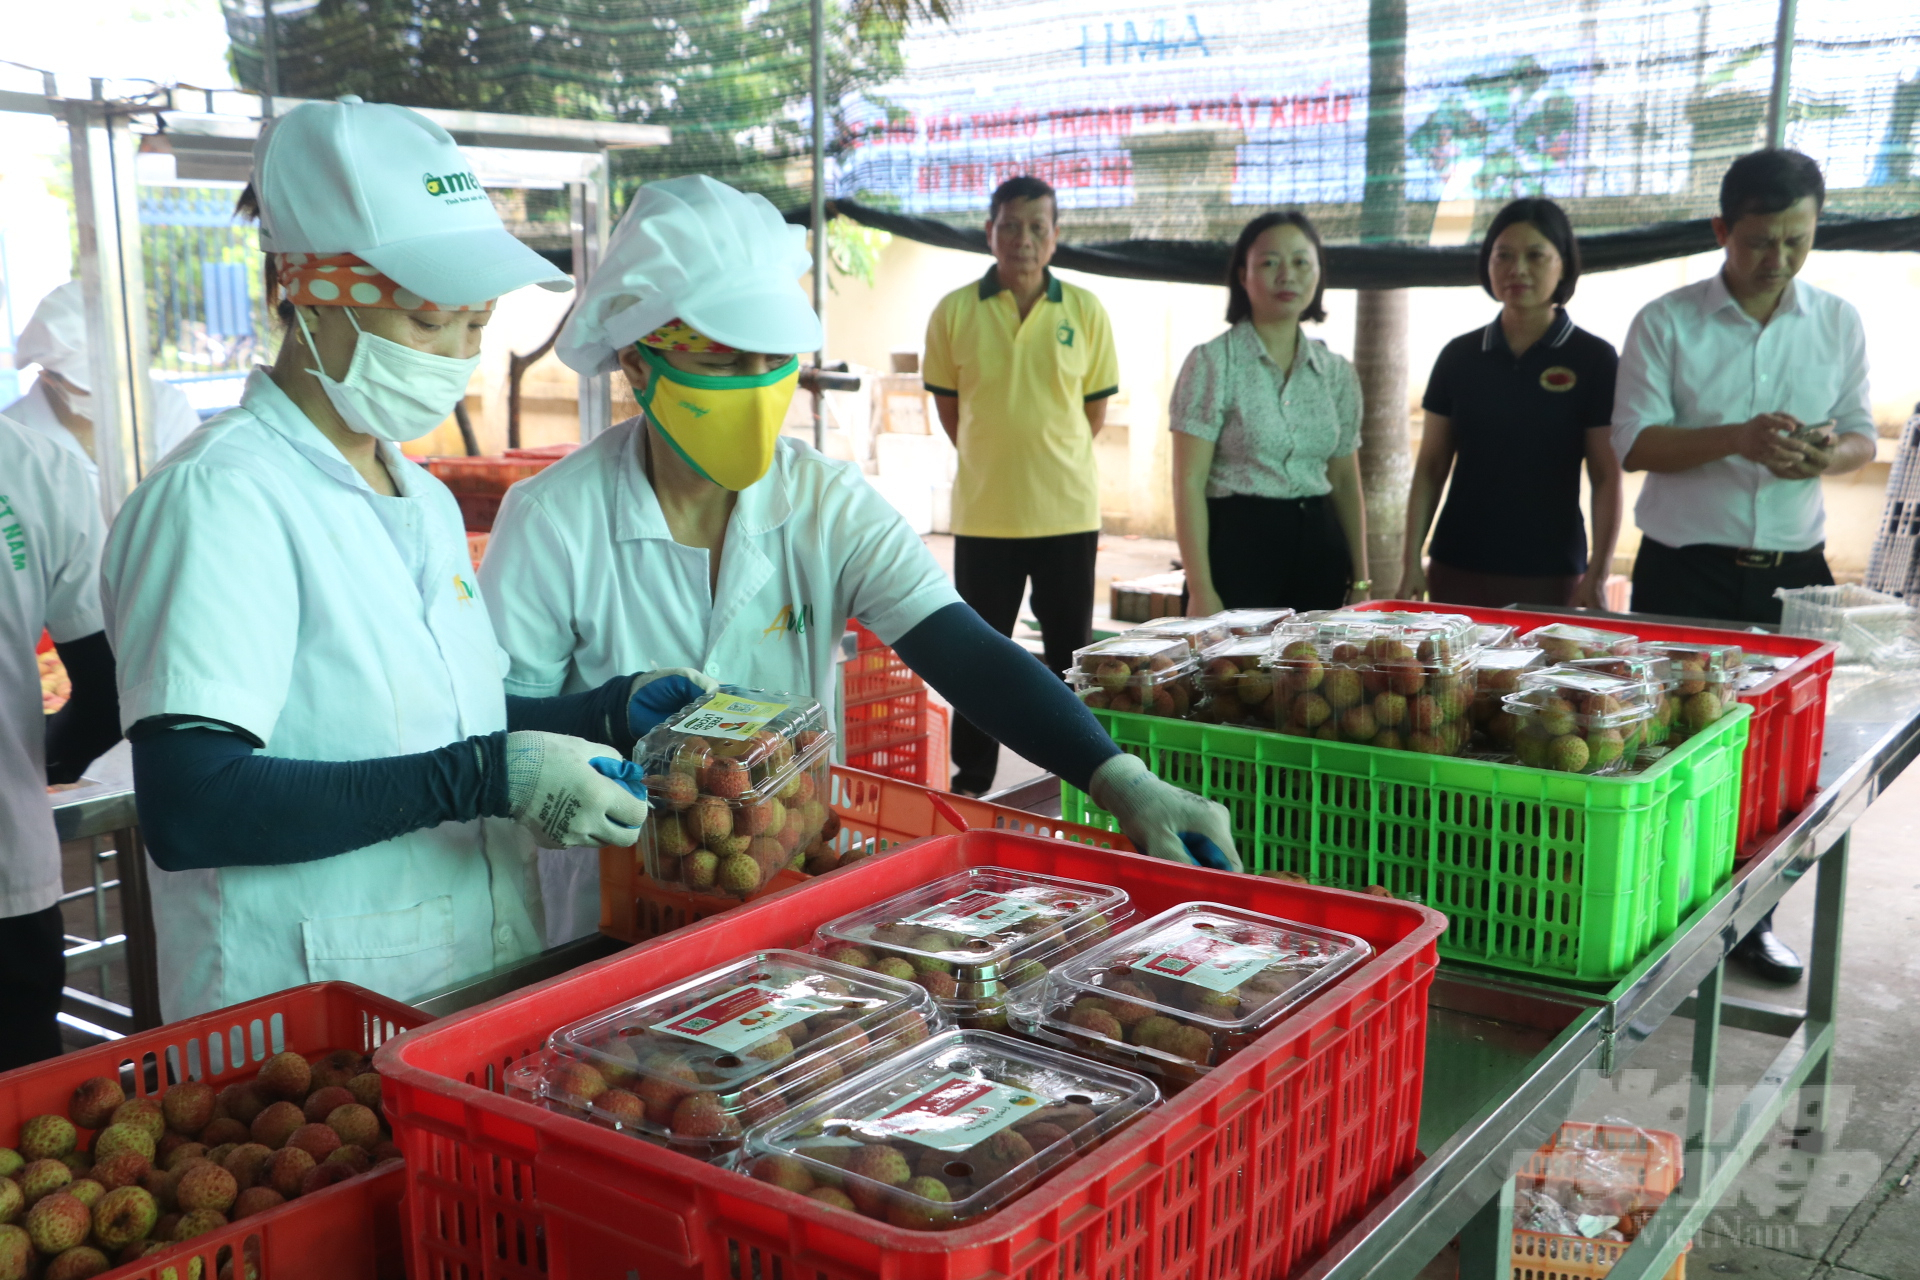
pixel 1020 365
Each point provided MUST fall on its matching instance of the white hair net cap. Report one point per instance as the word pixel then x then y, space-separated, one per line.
pixel 56 337
pixel 694 249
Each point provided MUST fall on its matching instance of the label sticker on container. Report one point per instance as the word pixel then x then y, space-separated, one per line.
pixel 1213 963
pixel 956 1113
pixel 743 1016
pixel 976 914
pixel 727 715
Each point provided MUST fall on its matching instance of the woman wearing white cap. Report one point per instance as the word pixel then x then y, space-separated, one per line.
pixel 310 681
pixel 697 536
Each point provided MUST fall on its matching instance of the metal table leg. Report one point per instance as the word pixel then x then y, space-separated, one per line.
pixel 1706 1059
pixel 136 918
pixel 1823 987
pixel 1486 1242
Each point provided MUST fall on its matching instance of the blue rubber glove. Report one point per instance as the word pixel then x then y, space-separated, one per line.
pixel 1162 820
pixel 626 773
pixel 1204 851
pixel 658 694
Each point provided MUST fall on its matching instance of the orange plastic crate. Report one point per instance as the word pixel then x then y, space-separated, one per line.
pixel 885 810
pixel 884 722
pixel 1248 1173
pixel 350 1231
pixel 1652 1160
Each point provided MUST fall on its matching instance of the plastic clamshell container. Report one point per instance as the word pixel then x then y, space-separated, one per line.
pixel 1651 669
pixel 1153 675
pixel 696 1064
pixel 1577 721
pixel 1406 683
pixel 989 930
pixel 741 775
pixel 1496 673
pixel 982 1115
pixel 1702 677
pixel 1180 994
pixel 1569 642
pixel 1236 682
pixel 1496 635
pixel 1252 622
pixel 1199 634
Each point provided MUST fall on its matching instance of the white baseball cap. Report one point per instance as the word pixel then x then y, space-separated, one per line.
pixel 693 249
pixel 56 337
pixel 391 187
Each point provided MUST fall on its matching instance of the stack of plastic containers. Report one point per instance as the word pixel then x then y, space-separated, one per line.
pixel 1153 675
pixel 739 788
pixel 973 938
pixel 1176 996
pixel 695 1065
pixel 1497 673
pixel 1650 669
pixel 1577 721
pixel 948 1132
pixel 1402 680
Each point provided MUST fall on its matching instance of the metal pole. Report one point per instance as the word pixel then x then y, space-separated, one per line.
pixel 819 212
pixel 1779 101
pixel 270 55
pixel 588 201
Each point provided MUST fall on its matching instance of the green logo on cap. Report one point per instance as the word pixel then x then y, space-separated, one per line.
pixel 448 184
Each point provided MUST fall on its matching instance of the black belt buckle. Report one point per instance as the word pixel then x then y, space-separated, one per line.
pixel 1747 558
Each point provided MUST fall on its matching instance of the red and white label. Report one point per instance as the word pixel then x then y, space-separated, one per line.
pixel 1213 963
pixel 976 914
pixel 743 1016
pixel 956 1113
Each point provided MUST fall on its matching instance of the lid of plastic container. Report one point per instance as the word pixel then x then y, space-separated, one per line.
pixel 1590 699
pixel 1199 633
pixel 982 924
pixel 1654 669
pixel 1120 660
pixel 743 745
pixel 1363 637
pixel 696 1063
pixel 1496 635
pixel 1252 622
pixel 1240 654
pixel 1568 642
pixel 953 1129
pixel 1714 662
pixel 1499 670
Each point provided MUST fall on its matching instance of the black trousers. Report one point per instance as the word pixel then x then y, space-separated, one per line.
pixel 1704 581
pixel 1278 553
pixel 33 968
pixel 991 575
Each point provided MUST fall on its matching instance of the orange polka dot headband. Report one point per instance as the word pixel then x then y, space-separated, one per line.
pixel 342 280
pixel 674 335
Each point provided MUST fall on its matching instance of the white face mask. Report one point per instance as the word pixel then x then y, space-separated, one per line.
pixel 392 391
pixel 78 403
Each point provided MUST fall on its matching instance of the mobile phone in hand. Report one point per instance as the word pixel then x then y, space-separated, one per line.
pixel 1816 433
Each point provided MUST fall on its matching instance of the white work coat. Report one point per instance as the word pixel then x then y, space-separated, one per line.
pixel 174 421
pixel 256 579
pixel 586 583
pixel 50 536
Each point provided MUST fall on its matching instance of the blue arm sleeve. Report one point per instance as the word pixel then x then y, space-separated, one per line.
pixel 90 722
pixel 1007 692
pixel 598 715
pixel 207 799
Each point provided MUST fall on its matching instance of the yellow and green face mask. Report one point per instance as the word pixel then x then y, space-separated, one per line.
pixel 725 428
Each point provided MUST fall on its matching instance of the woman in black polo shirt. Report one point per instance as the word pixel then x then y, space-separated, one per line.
pixel 1513 410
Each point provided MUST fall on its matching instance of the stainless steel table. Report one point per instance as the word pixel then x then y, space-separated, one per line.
pixel 102 810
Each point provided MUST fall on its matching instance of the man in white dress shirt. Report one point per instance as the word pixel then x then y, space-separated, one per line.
pixel 1737 394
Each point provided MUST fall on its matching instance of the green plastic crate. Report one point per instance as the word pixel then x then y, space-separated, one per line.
pixel 1553 874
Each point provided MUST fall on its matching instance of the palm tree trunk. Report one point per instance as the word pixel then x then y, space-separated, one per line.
pixel 1380 326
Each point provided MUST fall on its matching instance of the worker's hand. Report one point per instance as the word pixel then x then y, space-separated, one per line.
pixel 1803 459
pixel 655 695
pixel 1161 819
pixel 1764 438
pixel 1592 592
pixel 555 790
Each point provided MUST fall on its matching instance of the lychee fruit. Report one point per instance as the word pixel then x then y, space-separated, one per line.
pixel 243 1102
pixel 188 1108
pixel 670 837
pixel 286 1076
pixel 1567 753
pixel 248 1164
pixel 222 1130
pixel 357 1159
pixel 94 1100
pixel 673 790
pixel 256 1200
pixel 338 1067
pixel 1701 710
pixel 739 875
pixel 1389 710
pixel 48 1138
pixel 124 1215
pixel 701 1115
pixel 197 1223
pixel 1188 1042
pixel 57 1223
pixel 998 1156
pixel 218 1155
pixel 1357 724
pixel 206 1186
pixel 700 871
pixel 16 1253
pixel 86 1191
pixel 272 1127
pixel 357 1126
pixel 923 1212
pixel 82 1262
pixel 833 1196
pixel 116 1139
pixel 848 954
pixel 875 1164
pixel 288 1168
pixel 727 779
pixel 1098 1023
pixel 118 1171
pixel 784 1172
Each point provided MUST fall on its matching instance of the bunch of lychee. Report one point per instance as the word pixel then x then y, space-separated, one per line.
pixel 1497 673
pixel 696 1100
pixel 926 1188
pixel 1237 684
pixel 1701 674
pixel 119 1178
pixel 1149 676
pixel 1155 1024
pixel 1387 693
pixel 729 816
pixel 1652 671
pixel 1579 731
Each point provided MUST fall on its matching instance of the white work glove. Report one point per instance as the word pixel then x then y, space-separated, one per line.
pixel 1162 820
pixel 554 791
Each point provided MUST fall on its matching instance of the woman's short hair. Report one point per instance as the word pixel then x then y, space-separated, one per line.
pixel 247 209
pixel 1550 220
pixel 1239 306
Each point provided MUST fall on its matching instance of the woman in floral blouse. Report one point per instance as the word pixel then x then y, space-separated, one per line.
pixel 1266 421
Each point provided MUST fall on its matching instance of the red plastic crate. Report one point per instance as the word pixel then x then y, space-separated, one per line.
pixel 877 672
pixel 478 484
pixel 1248 1173
pixel 870 807
pixel 884 722
pixel 908 761
pixel 350 1231
pixel 981 815
pixel 1789 725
